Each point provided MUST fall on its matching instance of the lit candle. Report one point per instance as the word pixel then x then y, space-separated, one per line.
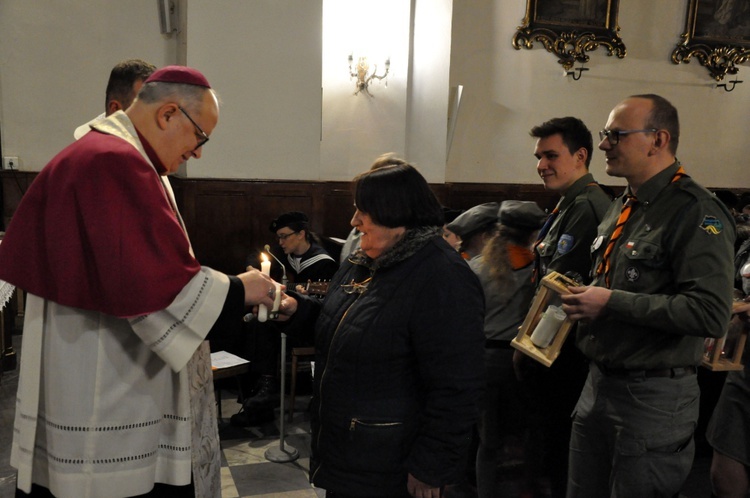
pixel 265 268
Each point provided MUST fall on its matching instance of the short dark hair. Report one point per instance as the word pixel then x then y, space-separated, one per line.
pixel 573 131
pixel 397 195
pixel 663 117
pixel 121 80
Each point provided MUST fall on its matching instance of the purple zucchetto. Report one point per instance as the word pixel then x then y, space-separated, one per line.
pixel 178 74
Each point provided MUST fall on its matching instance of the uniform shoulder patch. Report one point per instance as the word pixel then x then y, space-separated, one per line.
pixel 712 225
pixel 565 243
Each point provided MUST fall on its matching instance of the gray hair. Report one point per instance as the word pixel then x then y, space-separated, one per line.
pixel 189 96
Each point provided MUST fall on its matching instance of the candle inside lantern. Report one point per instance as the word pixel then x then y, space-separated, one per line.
pixel 547 327
pixel 265 268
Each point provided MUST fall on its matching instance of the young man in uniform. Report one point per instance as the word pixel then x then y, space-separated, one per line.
pixel 563 150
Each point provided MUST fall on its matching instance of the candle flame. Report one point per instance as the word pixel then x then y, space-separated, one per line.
pixel 264 257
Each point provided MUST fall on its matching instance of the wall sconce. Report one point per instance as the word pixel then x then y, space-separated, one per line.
pixel 364 76
pixel 576 73
pixel 726 87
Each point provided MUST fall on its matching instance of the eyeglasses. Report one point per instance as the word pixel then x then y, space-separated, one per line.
pixel 204 138
pixel 613 136
pixel 283 236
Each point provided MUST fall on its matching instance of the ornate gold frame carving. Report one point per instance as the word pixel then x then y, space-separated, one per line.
pixel 569 35
pixel 711 39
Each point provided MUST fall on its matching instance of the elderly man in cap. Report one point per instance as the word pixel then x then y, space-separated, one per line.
pixel 115 394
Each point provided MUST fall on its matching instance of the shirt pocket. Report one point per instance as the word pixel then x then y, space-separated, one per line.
pixel 644 252
pixel 642 263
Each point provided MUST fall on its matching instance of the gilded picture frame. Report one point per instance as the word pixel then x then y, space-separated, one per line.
pixel 717 33
pixel 571 30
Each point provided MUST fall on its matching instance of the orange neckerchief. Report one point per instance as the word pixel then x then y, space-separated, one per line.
pixel 519 256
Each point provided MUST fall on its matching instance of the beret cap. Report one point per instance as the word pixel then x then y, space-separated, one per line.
pixel 474 219
pixel 522 214
pixel 287 219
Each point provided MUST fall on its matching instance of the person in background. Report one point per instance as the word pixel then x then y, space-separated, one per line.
pixel 474 227
pixel 450 237
pixel 351 244
pixel 504 269
pixel 563 150
pixel 125 81
pixel 728 431
pixel 115 396
pixel 306 261
pixel 399 347
pixel 663 264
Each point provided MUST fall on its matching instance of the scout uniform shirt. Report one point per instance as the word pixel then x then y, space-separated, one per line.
pixel 671 277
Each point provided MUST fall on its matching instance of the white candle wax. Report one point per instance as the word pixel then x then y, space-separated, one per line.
pixel 265 268
pixel 547 327
pixel 277 298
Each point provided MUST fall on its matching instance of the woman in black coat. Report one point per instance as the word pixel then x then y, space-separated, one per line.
pixel 399 344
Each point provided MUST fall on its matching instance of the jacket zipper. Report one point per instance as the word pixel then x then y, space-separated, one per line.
pixel 355 421
pixel 322 376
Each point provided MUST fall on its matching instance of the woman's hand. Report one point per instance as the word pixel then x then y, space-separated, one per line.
pixel 419 489
pixel 287 308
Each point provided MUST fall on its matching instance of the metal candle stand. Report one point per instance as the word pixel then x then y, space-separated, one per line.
pixel 282 454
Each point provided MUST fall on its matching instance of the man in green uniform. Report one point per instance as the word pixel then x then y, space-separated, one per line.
pixel 663 281
pixel 563 150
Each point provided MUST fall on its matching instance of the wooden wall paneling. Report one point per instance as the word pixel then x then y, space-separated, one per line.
pixel 221 227
pixel 269 200
pixel 338 209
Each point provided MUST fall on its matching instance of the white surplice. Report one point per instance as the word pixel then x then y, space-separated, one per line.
pixel 108 406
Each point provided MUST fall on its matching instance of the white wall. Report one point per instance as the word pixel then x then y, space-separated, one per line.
pixel 55 59
pixel 268 61
pixel 264 59
pixel 507 91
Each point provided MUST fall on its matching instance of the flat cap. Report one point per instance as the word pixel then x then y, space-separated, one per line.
pixel 178 74
pixel 474 219
pixel 287 219
pixel 451 214
pixel 522 214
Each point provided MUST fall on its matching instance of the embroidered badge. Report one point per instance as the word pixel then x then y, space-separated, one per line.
pixel 630 244
pixel 565 243
pixel 632 274
pixel 712 225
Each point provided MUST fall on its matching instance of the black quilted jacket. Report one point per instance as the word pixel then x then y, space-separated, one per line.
pixel 399 370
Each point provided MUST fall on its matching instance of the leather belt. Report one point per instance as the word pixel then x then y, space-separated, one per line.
pixel 672 373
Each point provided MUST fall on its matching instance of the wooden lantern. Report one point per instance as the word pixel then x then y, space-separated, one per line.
pixel 725 353
pixel 553 285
